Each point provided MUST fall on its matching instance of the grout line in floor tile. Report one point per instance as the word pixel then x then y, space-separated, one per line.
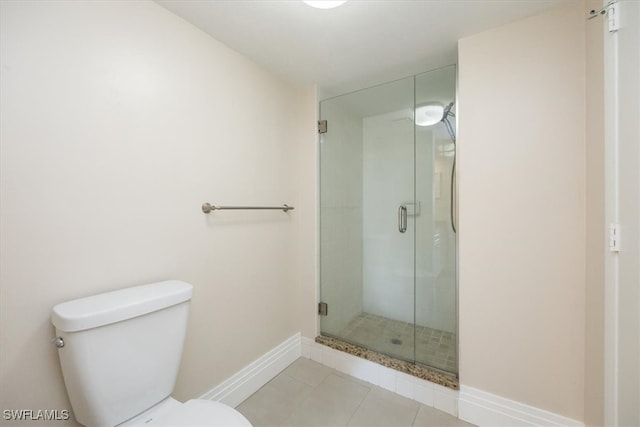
pixel 415 417
pixel 358 407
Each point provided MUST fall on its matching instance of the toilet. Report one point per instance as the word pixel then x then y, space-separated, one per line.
pixel 120 352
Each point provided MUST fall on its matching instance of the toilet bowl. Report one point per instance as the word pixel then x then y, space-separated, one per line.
pixel 192 413
pixel 120 352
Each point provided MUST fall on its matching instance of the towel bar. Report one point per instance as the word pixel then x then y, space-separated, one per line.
pixel 208 207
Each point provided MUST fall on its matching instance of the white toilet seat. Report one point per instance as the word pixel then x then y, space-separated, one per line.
pixel 192 413
pixel 200 412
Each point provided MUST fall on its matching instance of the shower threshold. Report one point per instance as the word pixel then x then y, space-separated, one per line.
pixel 417 370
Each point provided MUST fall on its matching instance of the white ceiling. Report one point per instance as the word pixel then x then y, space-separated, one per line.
pixel 359 44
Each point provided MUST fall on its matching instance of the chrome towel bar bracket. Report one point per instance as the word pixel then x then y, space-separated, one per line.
pixel 208 207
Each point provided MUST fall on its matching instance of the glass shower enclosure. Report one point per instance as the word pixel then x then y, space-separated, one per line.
pixel 387 219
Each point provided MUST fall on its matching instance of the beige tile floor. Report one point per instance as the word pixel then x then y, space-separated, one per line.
pixel 310 394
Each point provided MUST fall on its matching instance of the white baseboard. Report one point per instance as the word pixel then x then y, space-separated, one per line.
pixel 486 409
pixel 251 378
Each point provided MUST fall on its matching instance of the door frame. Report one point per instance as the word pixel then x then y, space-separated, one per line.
pixel 622 198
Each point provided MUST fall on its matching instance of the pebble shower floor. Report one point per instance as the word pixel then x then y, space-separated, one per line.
pixel 433 347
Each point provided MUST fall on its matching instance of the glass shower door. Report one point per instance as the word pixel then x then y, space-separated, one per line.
pixel 387 219
pixel 367 213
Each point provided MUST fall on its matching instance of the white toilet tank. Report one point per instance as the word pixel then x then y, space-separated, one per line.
pixel 122 349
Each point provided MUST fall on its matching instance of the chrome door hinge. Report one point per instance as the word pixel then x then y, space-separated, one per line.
pixel 322 126
pixel 612 12
pixel 323 308
pixel 613 16
pixel 614 237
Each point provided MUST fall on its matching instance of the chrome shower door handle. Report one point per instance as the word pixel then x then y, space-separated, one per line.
pixel 402 218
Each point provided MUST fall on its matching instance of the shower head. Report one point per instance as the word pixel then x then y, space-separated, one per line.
pixel 447 111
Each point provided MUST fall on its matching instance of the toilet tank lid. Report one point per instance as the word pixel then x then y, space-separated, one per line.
pixel 115 306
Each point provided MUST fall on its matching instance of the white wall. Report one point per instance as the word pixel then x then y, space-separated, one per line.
pixel 118 120
pixel 595 229
pixel 522 211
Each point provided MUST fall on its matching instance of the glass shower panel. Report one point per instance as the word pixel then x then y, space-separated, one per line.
pixel 387 219
pixel 367 216
pixel 436 307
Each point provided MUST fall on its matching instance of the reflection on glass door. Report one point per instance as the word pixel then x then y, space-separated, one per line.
pixel 387 252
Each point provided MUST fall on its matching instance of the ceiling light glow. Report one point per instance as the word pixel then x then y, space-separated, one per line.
pixel 325 4
pixel 429 114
